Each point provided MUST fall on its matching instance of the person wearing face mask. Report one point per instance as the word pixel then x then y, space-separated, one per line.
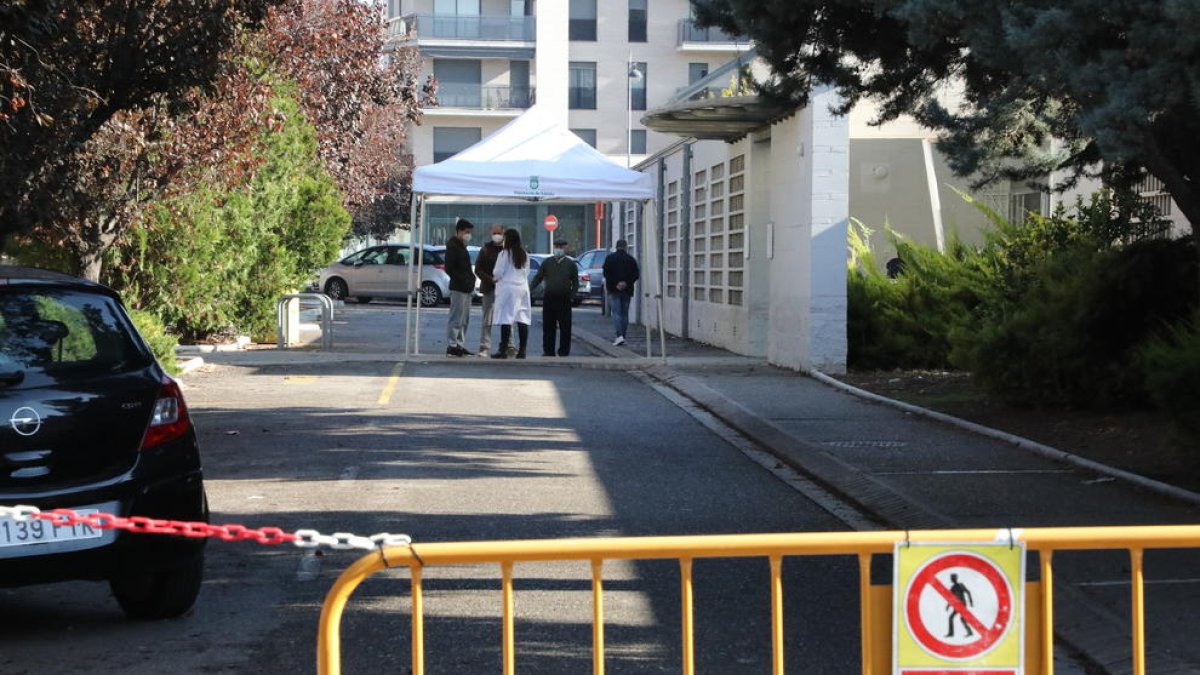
pixel 512 294
pixel 561 275
pixel 462 284
pixel 484 265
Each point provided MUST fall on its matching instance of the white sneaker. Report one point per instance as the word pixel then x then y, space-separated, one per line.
pixel 619 341
pixel 484 352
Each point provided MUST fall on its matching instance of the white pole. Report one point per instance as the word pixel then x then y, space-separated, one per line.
pixel 658 281
pixel 420 269
pixel 648 253
pixel 935 203
pixel 408 309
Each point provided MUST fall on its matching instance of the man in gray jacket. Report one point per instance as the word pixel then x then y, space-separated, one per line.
pixel 561 275
pixel 462 284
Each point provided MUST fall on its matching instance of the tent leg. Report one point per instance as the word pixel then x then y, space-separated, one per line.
pixel 420 269
pixel 408 302
pixel 652 259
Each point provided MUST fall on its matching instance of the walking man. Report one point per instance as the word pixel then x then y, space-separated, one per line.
pixel 620 273
pixel 561 275
pixel 485 264
pixel 462 284
pixel 959 590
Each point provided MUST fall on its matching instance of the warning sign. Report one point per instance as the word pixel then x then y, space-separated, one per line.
pixel 959 609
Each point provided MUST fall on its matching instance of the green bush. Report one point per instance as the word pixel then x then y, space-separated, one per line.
pixel 214 263
pixel 161 343
pixel 1171 363
pixel 908 321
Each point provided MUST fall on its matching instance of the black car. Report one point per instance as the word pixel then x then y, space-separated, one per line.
pixel 90 421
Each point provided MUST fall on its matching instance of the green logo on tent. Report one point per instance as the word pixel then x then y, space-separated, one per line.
pixel 533 182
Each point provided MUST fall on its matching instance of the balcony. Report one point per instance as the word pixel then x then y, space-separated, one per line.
pixel 426 27
pixel 693 37
pixel 480 97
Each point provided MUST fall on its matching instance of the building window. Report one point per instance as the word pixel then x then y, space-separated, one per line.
pixel 673 241
pixel 459 82
pixel 637 20
pixel 719 233
pixel 582 92
pixel 697 72
pixel 583 20
pixel 637 86
pixel 449 141
pixel 588 135
pixel 637 142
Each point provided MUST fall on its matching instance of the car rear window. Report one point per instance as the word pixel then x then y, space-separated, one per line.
pixel 55 335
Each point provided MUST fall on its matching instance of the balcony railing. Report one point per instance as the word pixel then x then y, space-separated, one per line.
pixel 442 27
pixel 478 97
pixel 690 32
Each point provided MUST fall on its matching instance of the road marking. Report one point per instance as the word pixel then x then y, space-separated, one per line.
pixel 972 472
pixel 300 379
pixel 824 499
pixel 309 567
pixel 390 387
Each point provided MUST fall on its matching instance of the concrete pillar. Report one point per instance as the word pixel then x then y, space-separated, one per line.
pixel 552 58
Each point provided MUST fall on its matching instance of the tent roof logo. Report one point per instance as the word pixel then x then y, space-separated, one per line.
pixel 533 182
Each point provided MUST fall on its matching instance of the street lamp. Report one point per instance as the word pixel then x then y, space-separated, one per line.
pixel 633 73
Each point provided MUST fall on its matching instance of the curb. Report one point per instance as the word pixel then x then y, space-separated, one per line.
pixel 190 365
pixel 1036 448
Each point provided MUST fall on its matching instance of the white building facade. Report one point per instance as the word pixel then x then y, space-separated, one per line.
pixel 596 65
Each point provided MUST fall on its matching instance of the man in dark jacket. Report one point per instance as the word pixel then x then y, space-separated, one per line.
pixel 620 273
pixel 561 275
pixel 462 284
pixel 484 265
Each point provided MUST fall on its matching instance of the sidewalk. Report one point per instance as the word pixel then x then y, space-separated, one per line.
pixel 911 472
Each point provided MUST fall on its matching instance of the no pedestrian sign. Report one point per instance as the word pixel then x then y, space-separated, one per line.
pixel 959 609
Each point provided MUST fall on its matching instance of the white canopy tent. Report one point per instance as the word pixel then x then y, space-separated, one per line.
pixel 533 158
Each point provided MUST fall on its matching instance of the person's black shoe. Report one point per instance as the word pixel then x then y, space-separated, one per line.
pixel 502 354
pixel 520 355
pixel 454 350
pixel 546 355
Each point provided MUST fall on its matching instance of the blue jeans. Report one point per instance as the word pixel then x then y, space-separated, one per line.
pixel 618 306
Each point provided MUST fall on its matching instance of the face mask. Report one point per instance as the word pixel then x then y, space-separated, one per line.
pixel 497 239
pixel 559 252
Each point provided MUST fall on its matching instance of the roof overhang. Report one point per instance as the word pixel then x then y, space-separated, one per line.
pixel 718 118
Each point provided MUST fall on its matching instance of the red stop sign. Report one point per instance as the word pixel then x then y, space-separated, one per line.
pixel 551 222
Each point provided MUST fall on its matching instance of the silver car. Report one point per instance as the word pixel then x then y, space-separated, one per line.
pixel 382 272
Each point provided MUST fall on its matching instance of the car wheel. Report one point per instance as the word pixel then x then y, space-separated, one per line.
pixel 431 295
pixel 159 593
pixel 336 289
pixel 362 299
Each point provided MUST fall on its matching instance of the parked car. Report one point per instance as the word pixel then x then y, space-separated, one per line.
pixel 382 272
pixel 591 263
pixel 91 422
pixel 535 294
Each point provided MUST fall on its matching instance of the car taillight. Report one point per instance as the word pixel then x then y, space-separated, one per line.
pixel 440 267
pixel 170 419
pixel 585 277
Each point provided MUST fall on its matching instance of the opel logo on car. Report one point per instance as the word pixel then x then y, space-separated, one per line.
pixel 26 421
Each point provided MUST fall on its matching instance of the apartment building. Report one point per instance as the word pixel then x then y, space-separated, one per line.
pixel 595 66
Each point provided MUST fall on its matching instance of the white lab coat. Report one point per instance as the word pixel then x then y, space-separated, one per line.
pixel 512 292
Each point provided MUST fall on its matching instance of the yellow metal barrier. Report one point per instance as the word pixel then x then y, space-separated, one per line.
pixel 875 600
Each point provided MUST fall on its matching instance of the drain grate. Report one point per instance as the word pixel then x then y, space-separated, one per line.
pixel 883 445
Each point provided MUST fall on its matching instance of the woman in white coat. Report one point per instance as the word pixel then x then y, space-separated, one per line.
pixel 512 294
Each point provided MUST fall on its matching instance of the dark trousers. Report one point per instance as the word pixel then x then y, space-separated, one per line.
pixel 556 318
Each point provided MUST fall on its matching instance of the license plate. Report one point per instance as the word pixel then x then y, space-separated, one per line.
pixel 16 533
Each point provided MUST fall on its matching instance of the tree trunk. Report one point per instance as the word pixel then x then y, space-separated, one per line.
pixel 1177 177
pixel 91 264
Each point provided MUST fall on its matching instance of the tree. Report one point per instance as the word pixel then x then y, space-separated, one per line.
pixel 1115 83
pixel 360 104
pixel 69 67
pixel 142 156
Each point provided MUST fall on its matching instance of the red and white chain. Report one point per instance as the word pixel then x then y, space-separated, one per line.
pixel 340 541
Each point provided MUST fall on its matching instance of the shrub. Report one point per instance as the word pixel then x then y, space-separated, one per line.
pixel 1171 363
pixel 908 321
pixel 214 263
pixel 1072 334
pixel 161 343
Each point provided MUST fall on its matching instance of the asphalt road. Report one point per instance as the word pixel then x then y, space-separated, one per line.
pixel 456 452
